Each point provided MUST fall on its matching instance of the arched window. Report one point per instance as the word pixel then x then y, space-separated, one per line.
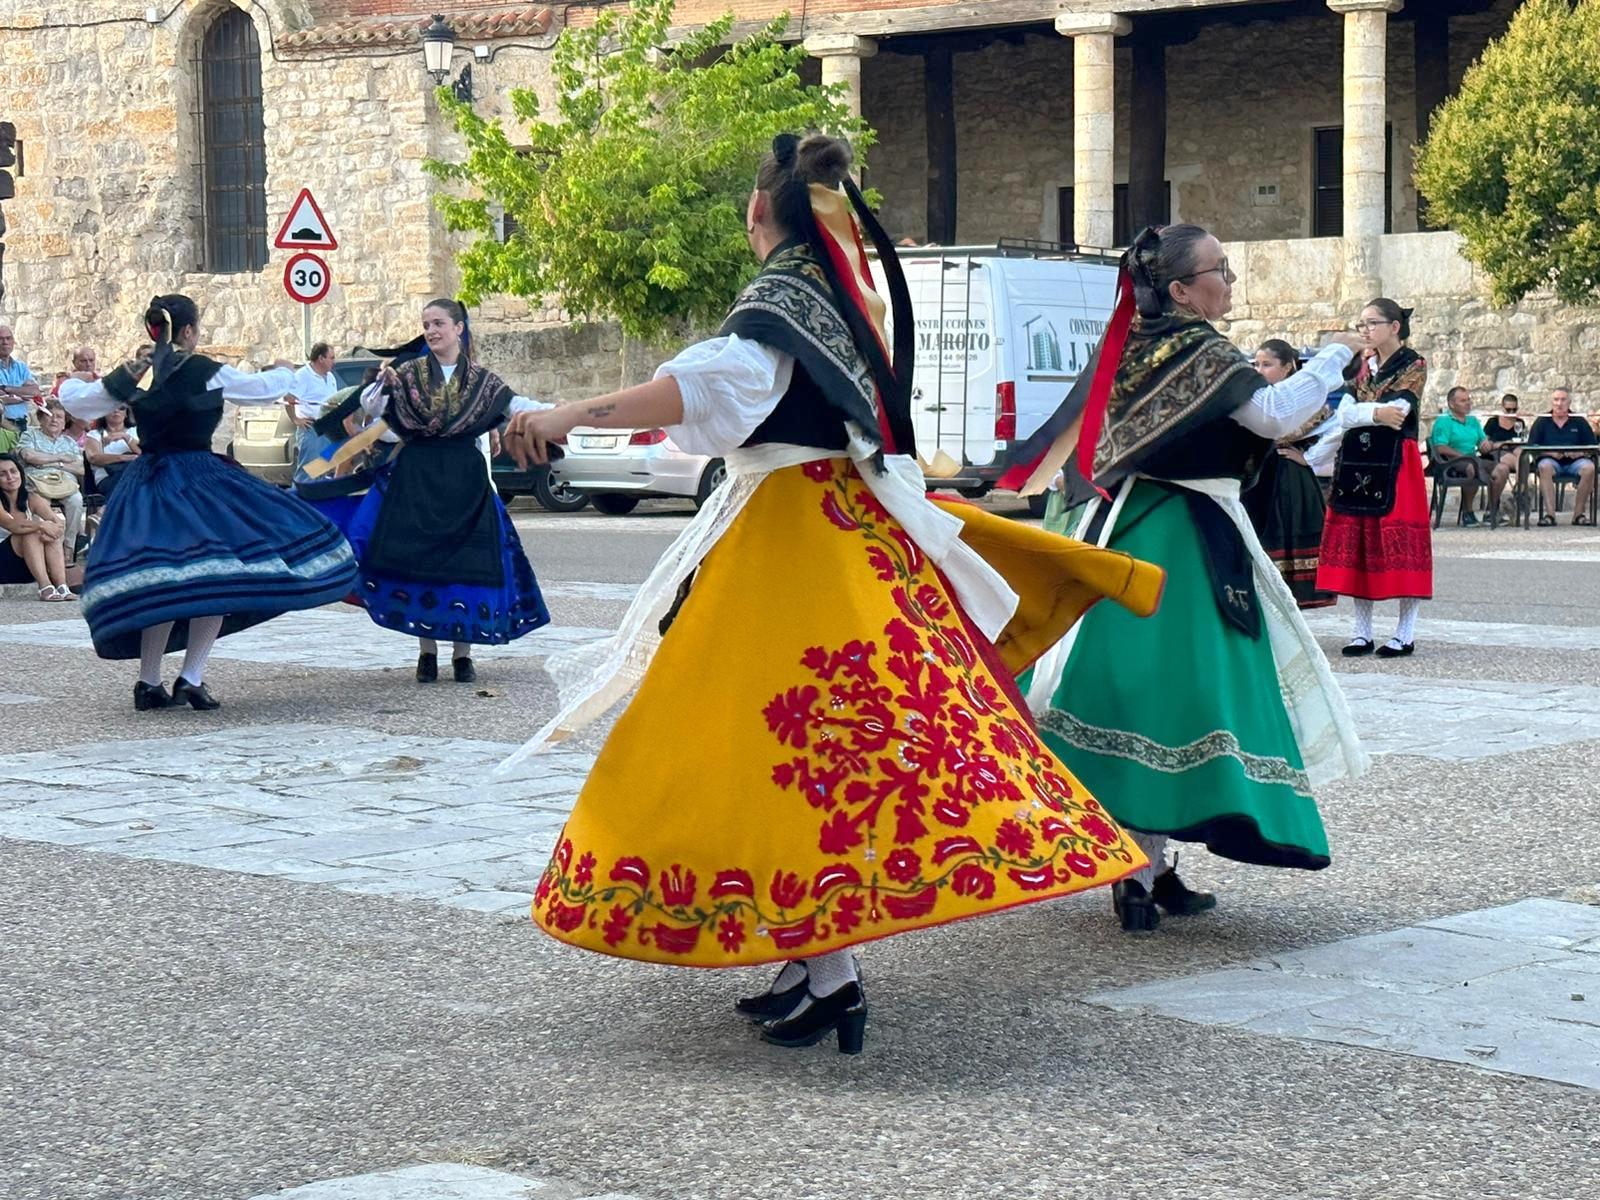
pixel 233 145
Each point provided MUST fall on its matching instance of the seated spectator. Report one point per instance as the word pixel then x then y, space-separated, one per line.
pixel 1505 426
pixel 54 466
pixel 111 445
pixel 1453 446
pixel 31 536
pixel 18 388
pixel 1561 428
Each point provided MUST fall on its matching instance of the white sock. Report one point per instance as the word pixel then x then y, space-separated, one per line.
pixel 1406 631
pixel 1154 846
pixel 460 650
pixel 827 973
pixel 202 636
pixel 792 974
pixel 152 644
pixel 1363 619
pixel 429 646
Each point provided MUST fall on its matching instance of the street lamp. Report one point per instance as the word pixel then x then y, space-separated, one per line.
pixel 438 44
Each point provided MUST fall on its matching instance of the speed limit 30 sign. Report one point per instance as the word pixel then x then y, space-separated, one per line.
pixel 306 278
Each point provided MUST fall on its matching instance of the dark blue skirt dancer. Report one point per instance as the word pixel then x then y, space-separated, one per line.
pixel 191 547
pixel 440 559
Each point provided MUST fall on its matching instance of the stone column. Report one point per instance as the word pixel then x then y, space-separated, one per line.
pixel 1093 122
pixel 1366 117
pixel 841 55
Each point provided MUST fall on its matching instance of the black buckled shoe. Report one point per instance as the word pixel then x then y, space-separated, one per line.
pixel 843 1012
pixel 196 695
pixel 1134 907
pixel 427 668
pixel 770 1004
pixel 150 696
pixel 1357 647
pixel 464 670
pixel 1177 900
pixel 1395 649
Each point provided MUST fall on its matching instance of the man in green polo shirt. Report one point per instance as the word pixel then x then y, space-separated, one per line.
pixel 1457 434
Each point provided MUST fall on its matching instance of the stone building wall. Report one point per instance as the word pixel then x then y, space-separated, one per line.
pixel 1290 289
pixel 108 213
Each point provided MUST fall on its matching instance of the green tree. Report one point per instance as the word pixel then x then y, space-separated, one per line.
pixel 629 203
pixel 1512 161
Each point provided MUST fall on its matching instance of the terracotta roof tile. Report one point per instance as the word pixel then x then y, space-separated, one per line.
pixel 382 32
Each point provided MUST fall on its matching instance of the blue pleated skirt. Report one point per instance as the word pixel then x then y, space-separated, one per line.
pixel 456 612
pixel 190 534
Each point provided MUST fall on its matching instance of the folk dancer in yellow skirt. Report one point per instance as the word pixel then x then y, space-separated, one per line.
pixel 826 746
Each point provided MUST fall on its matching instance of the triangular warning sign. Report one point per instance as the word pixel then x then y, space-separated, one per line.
pixel 305 228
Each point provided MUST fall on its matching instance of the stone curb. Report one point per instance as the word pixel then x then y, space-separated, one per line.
pixel 439 1181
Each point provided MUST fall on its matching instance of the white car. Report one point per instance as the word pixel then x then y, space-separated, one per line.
pixel 616 468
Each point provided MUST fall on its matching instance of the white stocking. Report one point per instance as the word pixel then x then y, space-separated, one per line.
pixel 1406 631
pixel 152 645
pixel 429 646
pixel 202 636
pixel 1363 619
pixel 1154 846
pixel 460 650
pixel 827 974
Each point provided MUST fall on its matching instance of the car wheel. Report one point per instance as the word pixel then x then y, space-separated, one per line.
pixel 710 481
pixel 975 493
pixel 554 495
pixel 614 505
pixel 1036 504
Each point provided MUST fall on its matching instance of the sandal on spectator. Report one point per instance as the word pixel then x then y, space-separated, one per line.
pixel 1547 519
pixel 1581 519
pixel 49 593
pixel 63 592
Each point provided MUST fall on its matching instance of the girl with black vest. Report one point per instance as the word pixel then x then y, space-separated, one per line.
pixel 1378 543
pixel 439 555
pixel 1215 720
pixel 191 547
pixel 825 747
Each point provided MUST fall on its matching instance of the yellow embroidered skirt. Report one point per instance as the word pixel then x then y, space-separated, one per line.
pixel 824 751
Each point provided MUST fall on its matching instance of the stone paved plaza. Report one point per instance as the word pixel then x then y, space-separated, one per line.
pixel 282 949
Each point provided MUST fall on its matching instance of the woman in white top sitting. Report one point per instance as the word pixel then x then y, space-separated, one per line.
pixel 30 536
pixel 110 446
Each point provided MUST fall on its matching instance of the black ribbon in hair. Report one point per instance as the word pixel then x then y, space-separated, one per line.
pixel 1140 261
pixel 784 147
pixel 1405 323
pixel 415 348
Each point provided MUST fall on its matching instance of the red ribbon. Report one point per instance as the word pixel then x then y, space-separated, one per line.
pixel 1105 371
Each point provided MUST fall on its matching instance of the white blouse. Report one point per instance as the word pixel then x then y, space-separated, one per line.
pixel 730 385
pixel 89 401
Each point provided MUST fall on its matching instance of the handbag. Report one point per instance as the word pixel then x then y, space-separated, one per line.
pixel 1368 468
pixel 53 483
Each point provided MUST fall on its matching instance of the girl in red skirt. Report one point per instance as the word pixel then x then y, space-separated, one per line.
pixel 1377 544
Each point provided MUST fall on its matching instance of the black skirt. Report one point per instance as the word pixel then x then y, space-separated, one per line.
pixel 1286 508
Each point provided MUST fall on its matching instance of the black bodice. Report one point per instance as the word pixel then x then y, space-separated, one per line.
pixel 179 413
pixel 802 418
pixel 1220 449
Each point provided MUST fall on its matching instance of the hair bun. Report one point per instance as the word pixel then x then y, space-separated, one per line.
pixel 821 159
pixel 783 148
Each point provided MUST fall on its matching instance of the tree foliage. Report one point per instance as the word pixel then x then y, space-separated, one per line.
pixel 1512 161
pixel 629 200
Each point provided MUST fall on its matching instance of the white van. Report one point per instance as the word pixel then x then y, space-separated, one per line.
pixel 1002 333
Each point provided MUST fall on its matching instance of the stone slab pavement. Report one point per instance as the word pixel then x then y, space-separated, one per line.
pixel 1514 988
pixel 337 636
pixel 425 818
pixel 436 1181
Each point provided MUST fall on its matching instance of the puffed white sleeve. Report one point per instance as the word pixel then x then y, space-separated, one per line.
pixel 253 387
pixel 1354 416
pixel 87 400
pixel 521 404
pixel 729 386
pixel 1279 409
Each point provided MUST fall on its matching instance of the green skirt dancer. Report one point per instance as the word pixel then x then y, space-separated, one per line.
pixel 1175 720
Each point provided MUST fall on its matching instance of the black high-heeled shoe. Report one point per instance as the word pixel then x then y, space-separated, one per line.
pixel 843 1012
pixel 427 668
pixel 770 1004
pixel 196 695
pixel 1178 900
pixel 1133 907
pixel 147 696
pixel 464 671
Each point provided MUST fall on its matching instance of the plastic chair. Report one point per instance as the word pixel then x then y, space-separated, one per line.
pixel 1456 473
